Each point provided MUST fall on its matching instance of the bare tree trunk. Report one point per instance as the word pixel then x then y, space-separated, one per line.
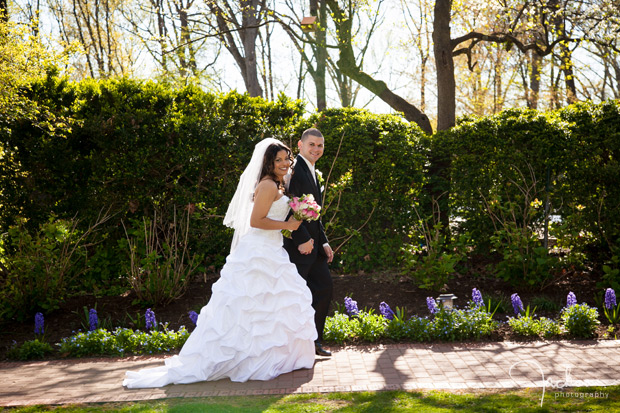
pixel 446 84
pixel 185 51
pixel 96 38
pixel 249 33
pixel 536 63
pixel 162 32
pixel 349 67
pixel 555 80
pixel 300 79
pixel 82 38
pixel 227 24
pixel 569 74
pixel 320 11
pixel 497 83
pixel 269 82
pixel 423 83
pixel 566 62
pixel 184 37
pixel 617 71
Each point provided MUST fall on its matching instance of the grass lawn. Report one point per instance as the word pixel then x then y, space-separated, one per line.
pixel 591 399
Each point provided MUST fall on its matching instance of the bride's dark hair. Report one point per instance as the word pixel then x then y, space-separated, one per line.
pixel 269 160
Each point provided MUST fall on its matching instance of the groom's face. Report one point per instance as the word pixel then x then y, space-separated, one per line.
pixel 312 148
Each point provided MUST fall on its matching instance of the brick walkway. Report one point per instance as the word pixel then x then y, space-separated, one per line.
pixel 391 367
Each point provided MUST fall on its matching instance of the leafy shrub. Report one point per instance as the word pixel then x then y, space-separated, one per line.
pixel 458 325
pixel 521 155
pixel 527 325
pixel 338 329
pixel 368 326
pixel 470 323
pixel 30 350
pixel 133 145
pixel 40 267
pixel 418 329
pixel 95 342
pixel 611 271
pixel 431 264
pixel 122 341
pixel 549 328
pixel 161 261
pixel 524 259
pixel 580 320
pixel 104 274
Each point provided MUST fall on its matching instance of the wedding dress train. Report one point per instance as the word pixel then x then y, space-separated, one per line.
pixel 258 324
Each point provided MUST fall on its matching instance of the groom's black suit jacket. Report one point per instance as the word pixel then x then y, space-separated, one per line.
pixel 303 183
pixel 312 267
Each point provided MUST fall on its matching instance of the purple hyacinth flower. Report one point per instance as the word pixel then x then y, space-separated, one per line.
pixel 571 299
pixel 92 319
pixel 610 298
pixel 149 317
pixel 194 317
pixel 477 297
pixel 386 311
pixel 38 323
pixel 351 306
pixel 517 304
pixel 432 305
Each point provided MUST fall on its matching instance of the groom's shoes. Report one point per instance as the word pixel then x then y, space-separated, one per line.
pixel 320 351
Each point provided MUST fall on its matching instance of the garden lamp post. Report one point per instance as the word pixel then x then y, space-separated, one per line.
pixel 447 301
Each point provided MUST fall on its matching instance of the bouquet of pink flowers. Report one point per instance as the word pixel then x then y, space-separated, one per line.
pixel 304 208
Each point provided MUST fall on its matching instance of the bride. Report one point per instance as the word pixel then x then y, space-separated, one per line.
pixel 259 322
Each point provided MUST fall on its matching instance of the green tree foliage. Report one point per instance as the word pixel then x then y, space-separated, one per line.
pixel 22 59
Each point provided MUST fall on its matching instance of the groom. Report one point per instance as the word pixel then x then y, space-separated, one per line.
pixel 308 249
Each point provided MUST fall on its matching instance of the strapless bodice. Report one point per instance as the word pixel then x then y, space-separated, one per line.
pixel 279 209
pixel 277 212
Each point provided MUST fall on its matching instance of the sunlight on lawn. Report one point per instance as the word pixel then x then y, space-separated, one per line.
pixel 526 400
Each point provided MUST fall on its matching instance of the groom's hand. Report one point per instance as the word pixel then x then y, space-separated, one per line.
pixel 306 247
pixel 329 252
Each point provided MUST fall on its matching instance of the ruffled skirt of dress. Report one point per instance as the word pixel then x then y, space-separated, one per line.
pixel 258 324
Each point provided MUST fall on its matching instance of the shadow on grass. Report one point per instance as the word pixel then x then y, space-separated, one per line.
pixel 591 399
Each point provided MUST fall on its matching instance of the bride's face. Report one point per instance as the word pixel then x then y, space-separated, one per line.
pixel 281 164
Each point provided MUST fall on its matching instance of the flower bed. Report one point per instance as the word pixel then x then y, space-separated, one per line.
pixel 349 325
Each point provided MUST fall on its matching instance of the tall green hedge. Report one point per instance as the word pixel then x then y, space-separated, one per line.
pixel 592 175
pixel 135 147
pixel 132 147
pixel 501 158
pixel 376 173
pixel 570 156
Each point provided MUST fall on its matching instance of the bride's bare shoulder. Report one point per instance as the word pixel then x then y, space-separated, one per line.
pixel 267 187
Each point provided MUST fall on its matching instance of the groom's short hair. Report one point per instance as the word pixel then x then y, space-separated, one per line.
pixel 311 132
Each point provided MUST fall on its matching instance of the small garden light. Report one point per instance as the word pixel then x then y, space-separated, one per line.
pixel 446 300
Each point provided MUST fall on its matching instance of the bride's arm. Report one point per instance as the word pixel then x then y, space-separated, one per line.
pixel 266 194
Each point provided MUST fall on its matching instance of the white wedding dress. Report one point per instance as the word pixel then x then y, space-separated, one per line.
pixel 258 324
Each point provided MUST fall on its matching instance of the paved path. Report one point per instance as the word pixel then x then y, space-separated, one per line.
pixel 390 367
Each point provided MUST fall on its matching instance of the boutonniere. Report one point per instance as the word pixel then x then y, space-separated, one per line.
pixel 319 176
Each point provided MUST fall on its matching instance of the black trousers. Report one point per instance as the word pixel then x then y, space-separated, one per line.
pixel 319 280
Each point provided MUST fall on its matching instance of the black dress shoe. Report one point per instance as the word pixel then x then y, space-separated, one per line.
pixel 320 351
